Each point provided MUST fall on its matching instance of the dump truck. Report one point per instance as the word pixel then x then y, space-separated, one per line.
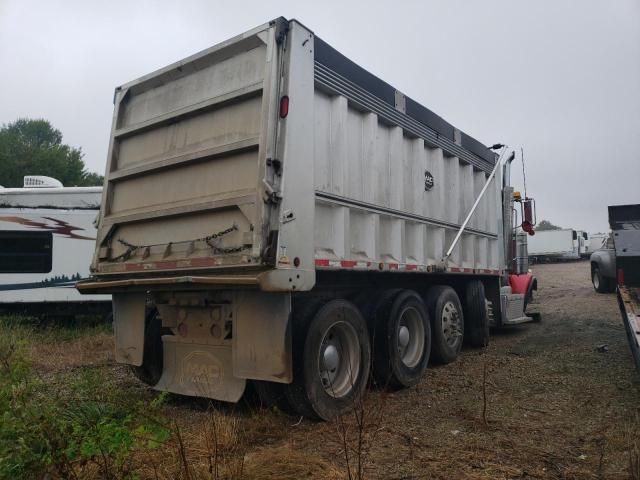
pixel 273 212
pixel 624 221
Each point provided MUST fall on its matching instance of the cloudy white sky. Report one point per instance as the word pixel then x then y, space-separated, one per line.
pixel 560 78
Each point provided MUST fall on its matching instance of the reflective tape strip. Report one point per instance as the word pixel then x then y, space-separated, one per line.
pixel 401 267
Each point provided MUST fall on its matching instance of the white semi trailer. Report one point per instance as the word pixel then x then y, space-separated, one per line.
pixel 563 244
pixel 282 215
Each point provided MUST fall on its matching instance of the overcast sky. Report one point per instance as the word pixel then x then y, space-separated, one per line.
pixel 560 78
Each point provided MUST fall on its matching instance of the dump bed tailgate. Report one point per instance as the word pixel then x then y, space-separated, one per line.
pixel 184 175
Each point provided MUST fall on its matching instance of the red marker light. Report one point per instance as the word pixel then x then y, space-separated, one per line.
pixel 284 106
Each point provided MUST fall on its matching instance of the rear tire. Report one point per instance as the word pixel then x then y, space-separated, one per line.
pixel 151 369
pixel 447 324
pixel 272 394
pixel 331 370
pixel 601 284
pixel 402 341
pixel 476 320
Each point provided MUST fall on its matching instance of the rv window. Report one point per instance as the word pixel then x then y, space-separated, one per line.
pixel 584 235
pixel 575 235
pixel 25 252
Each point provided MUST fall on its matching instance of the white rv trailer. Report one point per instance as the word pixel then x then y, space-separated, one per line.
pixel 555 245
pixel 47 237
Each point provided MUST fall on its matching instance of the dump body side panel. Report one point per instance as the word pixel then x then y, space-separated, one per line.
pixel 393 181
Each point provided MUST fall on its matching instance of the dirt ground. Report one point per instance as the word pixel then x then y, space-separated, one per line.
pixel 562 401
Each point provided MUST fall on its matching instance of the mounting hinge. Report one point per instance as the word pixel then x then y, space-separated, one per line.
pixel 270 195
pixel 282 28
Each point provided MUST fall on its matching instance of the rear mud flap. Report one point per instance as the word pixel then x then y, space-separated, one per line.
pixel 199 371
pixel 128 324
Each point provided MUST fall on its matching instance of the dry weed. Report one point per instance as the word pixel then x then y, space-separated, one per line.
pixel 634 452
pixel 60 355
pixel 286 463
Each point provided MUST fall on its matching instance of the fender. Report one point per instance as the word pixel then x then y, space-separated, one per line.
pixel 524 283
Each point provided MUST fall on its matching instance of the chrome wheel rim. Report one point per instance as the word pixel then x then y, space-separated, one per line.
pixel 450 320
pixel 339 359
pixel 410 337
pixel 595 279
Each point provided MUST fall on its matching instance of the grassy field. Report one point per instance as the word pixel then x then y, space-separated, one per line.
pixel 559 399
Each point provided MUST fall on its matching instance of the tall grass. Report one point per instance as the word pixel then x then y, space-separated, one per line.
pixel 68 424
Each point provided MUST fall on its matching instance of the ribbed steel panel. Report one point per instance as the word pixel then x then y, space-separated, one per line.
pixel 337 84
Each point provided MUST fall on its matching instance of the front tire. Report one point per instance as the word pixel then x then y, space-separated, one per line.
pixel 331 370
pixel 447 324
pixel 402 341
pixel 476 319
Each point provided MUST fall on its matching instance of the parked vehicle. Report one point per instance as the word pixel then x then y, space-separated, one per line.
pixel 287 217
pixel 597 241
pixel 603 268
pixel 624 221
pixel 583 244
pixel 47 239
pixel 555 245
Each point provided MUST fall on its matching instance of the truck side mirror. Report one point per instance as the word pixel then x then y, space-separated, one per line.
pixel 528 215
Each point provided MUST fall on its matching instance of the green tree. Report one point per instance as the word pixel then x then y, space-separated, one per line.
pixel 547 225
pixel 34 147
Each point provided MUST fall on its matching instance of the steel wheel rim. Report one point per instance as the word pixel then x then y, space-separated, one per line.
pixel 410 337
pixel 339 359
pixel 450 321
pixel 595 279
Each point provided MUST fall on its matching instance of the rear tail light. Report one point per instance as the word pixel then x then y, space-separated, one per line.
pixel 284 106
pixel 620 277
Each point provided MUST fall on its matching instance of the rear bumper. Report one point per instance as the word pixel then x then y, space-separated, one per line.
pixel 144 284
pixel 275 280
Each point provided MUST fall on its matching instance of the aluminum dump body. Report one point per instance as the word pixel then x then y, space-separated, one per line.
pixel 251 163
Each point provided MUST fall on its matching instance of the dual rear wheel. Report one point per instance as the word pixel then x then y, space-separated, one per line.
pixel 331 366
pixel 337 350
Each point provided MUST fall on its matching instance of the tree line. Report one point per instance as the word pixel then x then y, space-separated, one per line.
pixel 35 147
